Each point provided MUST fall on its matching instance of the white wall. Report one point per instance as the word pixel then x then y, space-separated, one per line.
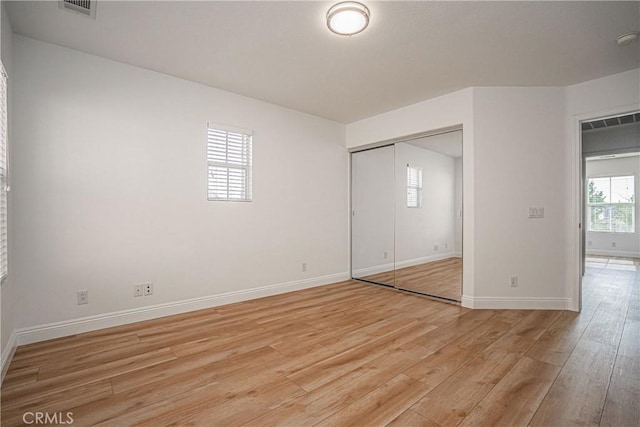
pixel 613 94
pixel 520 165
pixel 418 230
pixel 109 190
pixel 626 244
pixel 7 293
pixel 372 224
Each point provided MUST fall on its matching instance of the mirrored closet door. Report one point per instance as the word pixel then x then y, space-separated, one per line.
pixel 428 215
pixel 407 215
pixel 372 215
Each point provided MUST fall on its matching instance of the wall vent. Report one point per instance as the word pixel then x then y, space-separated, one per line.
pixel 81 7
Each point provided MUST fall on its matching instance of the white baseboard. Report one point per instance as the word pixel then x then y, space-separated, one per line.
pixel 7 355
pixel 624 254
pixel 426 259
pixel 108 320
pixel 515 303
pixel 367 271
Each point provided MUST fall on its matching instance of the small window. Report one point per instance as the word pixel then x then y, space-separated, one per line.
pixel 611 201
pixel 414 187
pixel 229 164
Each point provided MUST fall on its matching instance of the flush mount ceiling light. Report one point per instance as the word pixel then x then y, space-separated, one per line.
pixel 348 18
pixel 627 38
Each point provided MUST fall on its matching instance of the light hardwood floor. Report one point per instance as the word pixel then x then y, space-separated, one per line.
pixel 441 278
pixel 348 354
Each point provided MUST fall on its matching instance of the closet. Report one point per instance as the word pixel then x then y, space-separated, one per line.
pixel 406 216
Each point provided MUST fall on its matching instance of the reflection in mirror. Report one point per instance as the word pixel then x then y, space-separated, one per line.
pixel 428 223
pixel 372 221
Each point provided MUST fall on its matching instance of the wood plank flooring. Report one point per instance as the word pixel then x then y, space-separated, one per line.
pixel 349 354
pixel 441 278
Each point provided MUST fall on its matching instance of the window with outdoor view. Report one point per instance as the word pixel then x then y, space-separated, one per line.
pixel 612 204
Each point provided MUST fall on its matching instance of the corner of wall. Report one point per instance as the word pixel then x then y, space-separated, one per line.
pixel 7 354
pixel 7 297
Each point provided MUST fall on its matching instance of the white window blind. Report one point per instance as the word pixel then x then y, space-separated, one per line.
pixel 414 187
pixel 3 174
pixel 611 201
pixel 229 163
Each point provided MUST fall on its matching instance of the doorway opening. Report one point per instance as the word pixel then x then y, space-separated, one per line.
pixel 609 193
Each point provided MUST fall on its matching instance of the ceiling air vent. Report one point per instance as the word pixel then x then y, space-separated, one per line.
pixel 611 121
pixel 81 7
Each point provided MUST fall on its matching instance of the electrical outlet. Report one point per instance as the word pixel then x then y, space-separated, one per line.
pixel 147 289
pixel 83 297
pixel 386 254
pixel 513 281
pixel 435 247
pixel 304 267
pixel 138 291
pixel 613 244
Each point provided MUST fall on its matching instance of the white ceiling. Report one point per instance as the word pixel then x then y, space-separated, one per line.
pixel 283 53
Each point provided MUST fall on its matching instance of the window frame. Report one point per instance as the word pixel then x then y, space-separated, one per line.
pixel 4 173
pixel 243 161
pixel 611 205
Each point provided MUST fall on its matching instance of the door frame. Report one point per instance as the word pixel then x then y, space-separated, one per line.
pixel 578 192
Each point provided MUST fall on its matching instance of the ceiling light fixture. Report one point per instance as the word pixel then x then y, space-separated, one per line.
pixel 348 18
pixel 627 38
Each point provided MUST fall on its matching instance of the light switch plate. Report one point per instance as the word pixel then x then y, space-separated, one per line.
pixel 536 212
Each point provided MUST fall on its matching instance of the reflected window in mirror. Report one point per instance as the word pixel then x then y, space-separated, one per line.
pixel 414 187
